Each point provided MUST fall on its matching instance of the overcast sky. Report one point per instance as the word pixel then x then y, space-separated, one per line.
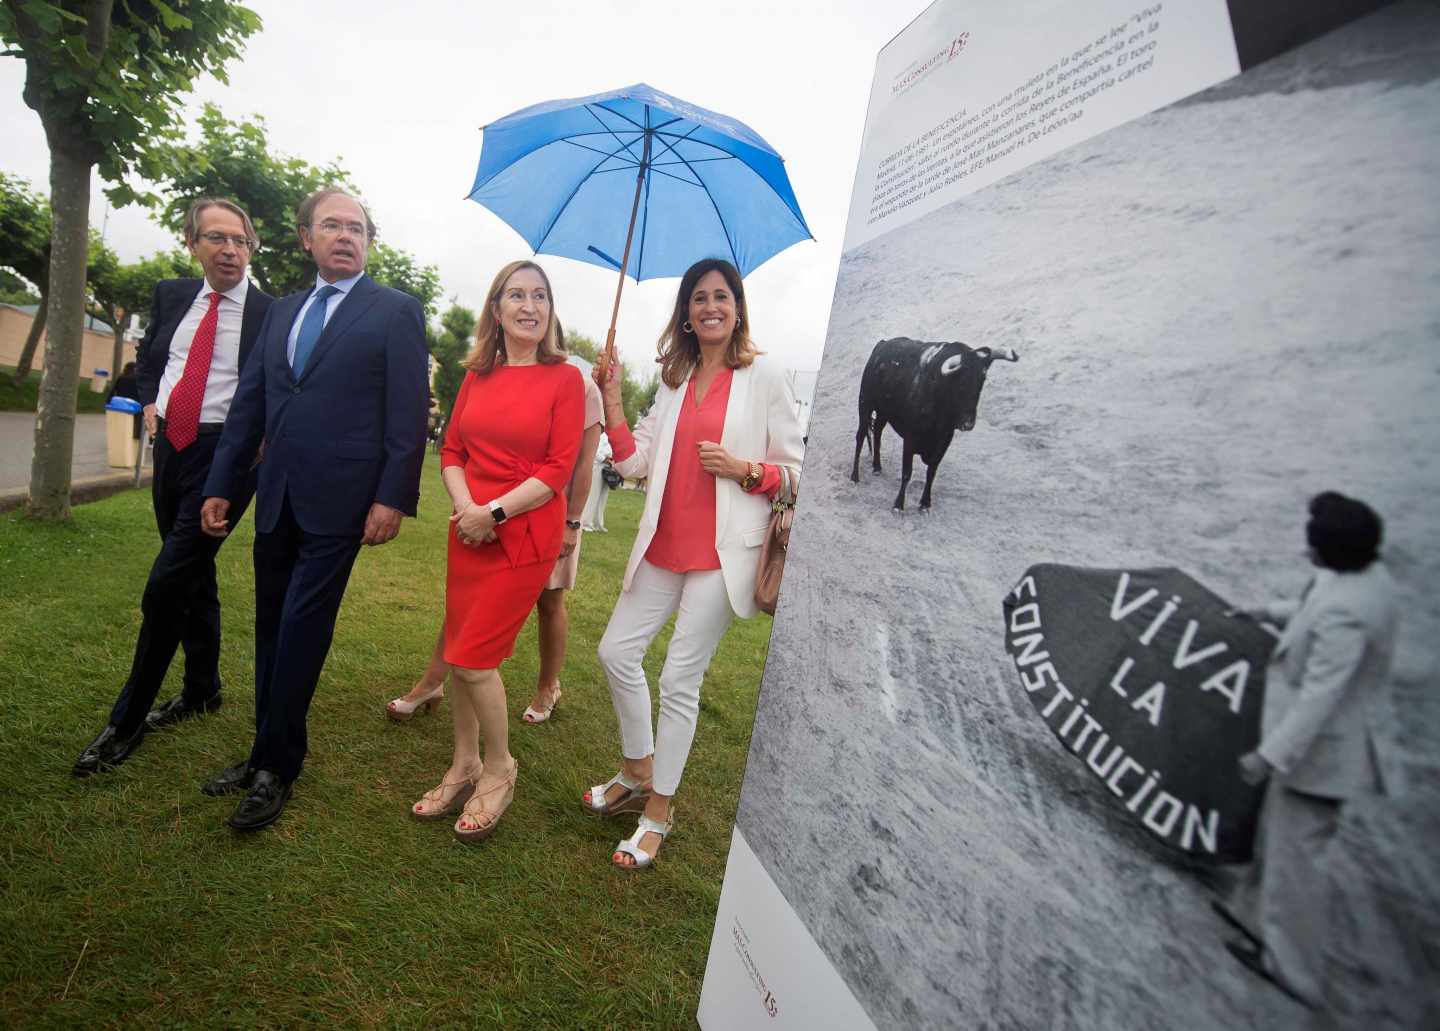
pixel 398 94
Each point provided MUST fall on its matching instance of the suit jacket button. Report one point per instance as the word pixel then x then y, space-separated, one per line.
pixel 295 390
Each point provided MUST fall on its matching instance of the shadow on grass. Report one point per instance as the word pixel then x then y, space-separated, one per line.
pixel 128 900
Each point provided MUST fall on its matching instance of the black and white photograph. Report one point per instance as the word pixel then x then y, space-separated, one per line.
pixel 1103 687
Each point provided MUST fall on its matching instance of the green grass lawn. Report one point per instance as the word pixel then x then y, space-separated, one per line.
pixel 124 898
pixel 21 397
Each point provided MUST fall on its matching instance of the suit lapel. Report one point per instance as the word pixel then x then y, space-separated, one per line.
pixel 660 465
pixel 354 304
pixel 184 298
pixel 250 320
pixel 737 423
pixel 1299 623
pixel 286 309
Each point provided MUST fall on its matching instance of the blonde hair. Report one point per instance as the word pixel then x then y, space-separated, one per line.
pixel 679 348
pixel 489 348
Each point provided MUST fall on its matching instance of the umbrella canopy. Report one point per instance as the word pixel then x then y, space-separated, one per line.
pixel 1152 682
pixel 565 175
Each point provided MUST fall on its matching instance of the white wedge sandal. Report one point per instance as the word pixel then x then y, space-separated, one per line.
pixel 637 793
pixel 631 845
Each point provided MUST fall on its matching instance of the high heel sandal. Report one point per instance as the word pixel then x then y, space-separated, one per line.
pixel 631 845
pixel 479 813
pixel 448 800
pixel 400 710
pixel 637 793
pixel 534 715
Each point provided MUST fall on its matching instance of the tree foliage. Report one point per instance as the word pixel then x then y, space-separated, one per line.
pixel 16 290
pixel 24 231
pixel 105 79
pixel 234 159
pixel 119 289
pixel 448 346
pixel 636 394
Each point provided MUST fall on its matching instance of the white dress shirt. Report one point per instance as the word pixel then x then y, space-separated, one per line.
pixel 331 303
pixel 224 364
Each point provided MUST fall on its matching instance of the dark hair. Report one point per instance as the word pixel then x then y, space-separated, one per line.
pixel 306 211
pixel 1344 533
pixel 679 348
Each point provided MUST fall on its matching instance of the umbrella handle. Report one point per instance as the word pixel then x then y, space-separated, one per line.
pixel 610 356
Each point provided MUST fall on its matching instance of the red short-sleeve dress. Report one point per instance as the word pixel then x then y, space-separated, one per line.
pixel 508 425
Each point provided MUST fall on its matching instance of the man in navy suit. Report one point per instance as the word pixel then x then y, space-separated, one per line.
pixel 338 393
pixel 187 369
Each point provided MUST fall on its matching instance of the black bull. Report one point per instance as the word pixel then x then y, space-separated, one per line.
pixel 926 391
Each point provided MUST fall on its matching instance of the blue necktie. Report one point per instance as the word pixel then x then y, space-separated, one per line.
pixel 310 329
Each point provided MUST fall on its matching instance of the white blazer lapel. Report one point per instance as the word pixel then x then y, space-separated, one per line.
pixel 664 445
pixel 733 438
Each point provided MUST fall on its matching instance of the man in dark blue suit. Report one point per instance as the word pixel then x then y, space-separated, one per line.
pixel 187 367
pixel 338 393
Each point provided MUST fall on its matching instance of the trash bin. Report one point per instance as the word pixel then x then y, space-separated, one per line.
pixel 121 447
pixel 99 381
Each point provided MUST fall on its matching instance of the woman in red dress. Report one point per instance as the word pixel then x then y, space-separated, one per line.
pixel 509 450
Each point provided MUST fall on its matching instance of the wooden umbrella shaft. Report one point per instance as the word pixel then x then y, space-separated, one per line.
pixel 610 356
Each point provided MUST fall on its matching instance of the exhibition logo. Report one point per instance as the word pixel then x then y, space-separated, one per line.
pixel 741 941
pixel 919 69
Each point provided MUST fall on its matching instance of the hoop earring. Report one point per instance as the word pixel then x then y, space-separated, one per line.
pixel 687 327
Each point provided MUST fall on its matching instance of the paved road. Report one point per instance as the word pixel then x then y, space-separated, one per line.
pixel 17 444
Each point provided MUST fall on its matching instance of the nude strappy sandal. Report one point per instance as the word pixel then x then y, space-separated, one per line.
pixel 487 819
pixel 449 801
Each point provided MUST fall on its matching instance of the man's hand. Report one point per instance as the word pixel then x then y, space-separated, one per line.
pixel 212 517
pixel 569 541
pixel 381 525
pixel 152 421
pixel 1254 769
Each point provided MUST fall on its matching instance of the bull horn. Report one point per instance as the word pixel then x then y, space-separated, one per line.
pixel 1008 354
pixel 951 365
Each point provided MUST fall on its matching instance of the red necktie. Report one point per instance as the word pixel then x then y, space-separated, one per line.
pixel 182 412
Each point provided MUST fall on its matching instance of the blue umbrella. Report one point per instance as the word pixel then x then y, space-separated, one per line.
pixel 699 184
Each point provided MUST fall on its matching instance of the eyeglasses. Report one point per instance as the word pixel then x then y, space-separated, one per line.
pixel 241 243
pixel 330 227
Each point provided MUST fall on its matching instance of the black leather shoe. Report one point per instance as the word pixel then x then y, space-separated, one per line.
pixel 264 804
pixel 107 751
pixel 230 780
pixel 177 709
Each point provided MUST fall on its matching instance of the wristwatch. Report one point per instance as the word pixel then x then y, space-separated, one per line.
pixel 752 478
pixel 573 524
pixel 497 512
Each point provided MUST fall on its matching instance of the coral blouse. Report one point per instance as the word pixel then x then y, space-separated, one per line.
pixel 684 541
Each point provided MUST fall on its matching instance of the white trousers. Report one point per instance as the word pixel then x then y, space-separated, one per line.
pixel 593 518
pixel 704 614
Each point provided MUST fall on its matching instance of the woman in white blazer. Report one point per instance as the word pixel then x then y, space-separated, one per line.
pixel 713 447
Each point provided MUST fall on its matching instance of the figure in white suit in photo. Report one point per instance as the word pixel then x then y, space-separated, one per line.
pixel 1322 743
pixel 713 447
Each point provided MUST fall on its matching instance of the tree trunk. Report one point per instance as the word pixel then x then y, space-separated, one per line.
pixel 32 341
pixel 117 354
pixel 55 413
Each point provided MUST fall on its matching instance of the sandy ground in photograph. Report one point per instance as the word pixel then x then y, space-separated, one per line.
pixel 1220 309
